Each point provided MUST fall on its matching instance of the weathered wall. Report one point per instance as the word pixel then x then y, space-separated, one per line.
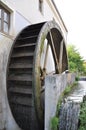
pixel 4 49
pixel 5 113
pixel 54 86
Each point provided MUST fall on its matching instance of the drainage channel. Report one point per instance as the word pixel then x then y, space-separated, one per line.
pixel 70 109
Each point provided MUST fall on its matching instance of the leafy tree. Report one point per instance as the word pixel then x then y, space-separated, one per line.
pixel 75 60
pixel 84 68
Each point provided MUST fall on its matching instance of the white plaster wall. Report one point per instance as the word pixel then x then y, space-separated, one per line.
pixel 29 9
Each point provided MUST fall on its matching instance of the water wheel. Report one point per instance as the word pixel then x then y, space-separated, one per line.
pixel 38 50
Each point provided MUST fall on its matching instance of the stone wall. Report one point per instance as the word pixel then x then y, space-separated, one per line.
pixel 54 86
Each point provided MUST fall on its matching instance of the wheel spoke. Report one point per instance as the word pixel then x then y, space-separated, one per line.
pixel 46 55
pixel 61 56
pixel 52 42
pixel 43 69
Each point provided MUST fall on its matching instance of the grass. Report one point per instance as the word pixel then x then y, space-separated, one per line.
pixel 54 123
pixel 69 88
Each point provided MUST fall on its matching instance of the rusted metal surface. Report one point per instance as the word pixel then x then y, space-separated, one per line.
pixel 39 50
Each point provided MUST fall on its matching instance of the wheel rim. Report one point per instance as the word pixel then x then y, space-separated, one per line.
pixel 52 33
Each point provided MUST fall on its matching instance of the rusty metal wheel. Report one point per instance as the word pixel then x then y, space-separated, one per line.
pixel 39 50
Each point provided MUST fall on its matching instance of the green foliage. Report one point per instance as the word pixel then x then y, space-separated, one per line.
pixel 84 68
pixel 54 123
pixel 75 59
pixel 59 105
pixel 82 116
pixel 77 78
pixel 67 90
